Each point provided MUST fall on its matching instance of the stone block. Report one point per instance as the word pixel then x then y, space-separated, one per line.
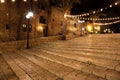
pixel 117 68
pixel 100 71
pixel 112 75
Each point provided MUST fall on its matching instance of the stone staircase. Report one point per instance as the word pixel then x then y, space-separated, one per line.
pixel 6 73
pixel 85 58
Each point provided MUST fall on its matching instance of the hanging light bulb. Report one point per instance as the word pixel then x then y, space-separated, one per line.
pixel 94 12
pixel 35 0
pixel 2 1
pixel 116 3
pixel 110 6
pixel 13 0
pixel 88 14
pixel 24 0
pixel 101 9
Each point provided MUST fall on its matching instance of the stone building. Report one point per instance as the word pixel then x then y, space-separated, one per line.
pixel 13 22
pixel 45 22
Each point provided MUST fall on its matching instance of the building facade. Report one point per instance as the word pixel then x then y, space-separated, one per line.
pixel 13 22
pixel 47 21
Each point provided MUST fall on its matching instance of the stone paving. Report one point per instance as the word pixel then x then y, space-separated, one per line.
pixel 93 57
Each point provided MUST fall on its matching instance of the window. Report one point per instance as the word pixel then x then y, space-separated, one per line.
pixel 42 20
pixel 24 26
pixel 7 26
pixel 75 25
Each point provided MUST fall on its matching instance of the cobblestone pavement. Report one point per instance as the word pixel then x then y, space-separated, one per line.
pixel 93 57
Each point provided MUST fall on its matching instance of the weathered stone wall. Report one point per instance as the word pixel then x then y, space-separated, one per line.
pixel 9 21
pixel 12 18
pixel 56 21
pixel 13 15
pixel 13 45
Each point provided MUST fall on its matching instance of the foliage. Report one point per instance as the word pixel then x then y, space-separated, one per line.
pixel 63 4
pixel 67 4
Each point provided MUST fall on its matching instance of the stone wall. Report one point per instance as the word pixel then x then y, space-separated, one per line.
pixel 56 21
pixel 13 45
pixel 12 18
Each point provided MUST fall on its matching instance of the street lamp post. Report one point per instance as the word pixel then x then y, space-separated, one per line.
pixel 28 16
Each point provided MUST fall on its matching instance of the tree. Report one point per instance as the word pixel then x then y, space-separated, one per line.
pixel 65 6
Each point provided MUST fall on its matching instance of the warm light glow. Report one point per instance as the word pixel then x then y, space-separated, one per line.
pixel 101 9
pixel 65 15
pixel 110 6
pixel 35 0
pixel 94 12
pixel 2 1
pixel 79 21
pixel 29 15
pixel 89 28
pixel 116 3
pixel 97 28
pixel 83 29
pixel 39 28
pixel 13 0
pixel 24 0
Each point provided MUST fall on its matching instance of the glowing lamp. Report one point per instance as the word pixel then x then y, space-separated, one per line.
pixel 89 28
pixel 29 15
pixel 2 1
pixel 13 0
pixel 39 28
pixel 24 0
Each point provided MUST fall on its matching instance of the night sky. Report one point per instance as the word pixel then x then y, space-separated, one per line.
pixel 91 5
pixel 87 6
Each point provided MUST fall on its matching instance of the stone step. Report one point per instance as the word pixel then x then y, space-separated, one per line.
pixel 82 45
pixel 111 58
pixel 60 69
pixel 84 67
pixel 103 72
pixel 86 49
pixel 17 70
pixel 36 72
pixel 6 72
pixel 85 44
pixel 108 63
pixel 90 52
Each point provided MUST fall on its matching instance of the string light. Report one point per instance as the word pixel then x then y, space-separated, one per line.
pixel 94 12
pixel 24 0
pixel 116 3
pixel 110 6
pixel 104 24
pixel 2 1
pixel 82 16
pixel 99 19
pixel 97 11
pixel 101 10
pixel 13 0
pixel 35 0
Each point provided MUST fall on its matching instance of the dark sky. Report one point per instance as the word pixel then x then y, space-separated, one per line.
pixel 87 6
pixel 91 5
